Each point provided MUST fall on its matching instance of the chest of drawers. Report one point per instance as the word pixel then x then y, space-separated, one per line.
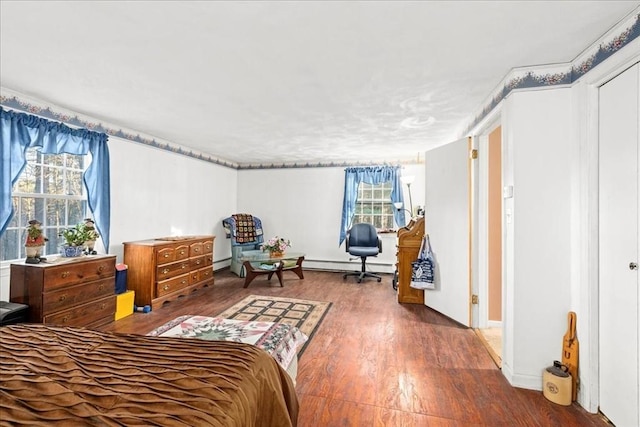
pixel 163 269
pixel 71 292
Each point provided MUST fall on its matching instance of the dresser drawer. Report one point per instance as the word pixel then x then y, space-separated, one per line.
pixel 198 262
pixel 171 254
pixel 79 272
pixel 168 271
pixel 64 298
pixel 84 314
pixel 207 246
pixel 205 273
pixel 208 259
pixel 172 285
pixel 196 249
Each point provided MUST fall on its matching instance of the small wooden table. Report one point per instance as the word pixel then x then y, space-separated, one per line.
pixel 257 263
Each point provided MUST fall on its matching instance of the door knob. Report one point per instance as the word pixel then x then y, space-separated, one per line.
pixel 633 266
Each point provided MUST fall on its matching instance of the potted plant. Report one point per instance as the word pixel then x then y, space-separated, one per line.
pixel 75 238
pixel 276 246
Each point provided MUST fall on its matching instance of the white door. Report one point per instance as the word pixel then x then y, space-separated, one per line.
pixel 618 248
pixel 447 224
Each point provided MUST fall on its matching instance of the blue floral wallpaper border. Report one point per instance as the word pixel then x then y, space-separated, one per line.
pixel 568 74
pixel 609 45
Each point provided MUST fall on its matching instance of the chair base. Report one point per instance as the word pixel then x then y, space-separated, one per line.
pixel 361 275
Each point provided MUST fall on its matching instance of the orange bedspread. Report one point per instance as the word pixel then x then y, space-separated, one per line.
pixel 70 376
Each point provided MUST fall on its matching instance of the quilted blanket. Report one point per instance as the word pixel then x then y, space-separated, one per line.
pixel 280 340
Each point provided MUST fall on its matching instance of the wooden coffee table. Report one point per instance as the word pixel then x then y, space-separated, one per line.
pixel 257 263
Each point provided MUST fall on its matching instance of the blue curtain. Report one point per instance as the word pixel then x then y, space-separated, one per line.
pixel 19 131
pixel 370 175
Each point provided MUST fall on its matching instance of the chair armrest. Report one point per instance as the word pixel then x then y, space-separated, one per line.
pixel 379 245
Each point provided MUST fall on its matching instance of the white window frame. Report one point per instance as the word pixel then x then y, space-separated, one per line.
pixel 379 205
pixel 19 222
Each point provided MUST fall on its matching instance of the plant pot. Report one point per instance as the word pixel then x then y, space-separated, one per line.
pixel 276 254
pixel 71 251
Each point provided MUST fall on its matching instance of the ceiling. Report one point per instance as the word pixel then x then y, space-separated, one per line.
pixel 288 82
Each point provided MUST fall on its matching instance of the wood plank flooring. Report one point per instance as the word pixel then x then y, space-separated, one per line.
pixel 374 362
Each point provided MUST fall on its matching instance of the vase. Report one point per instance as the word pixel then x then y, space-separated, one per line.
pixel 276 254
pixel 71 251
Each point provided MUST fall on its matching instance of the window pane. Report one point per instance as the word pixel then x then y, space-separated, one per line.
pixel 53 180
pixel 29 180
pixel 10 244
pixel 53 159
pixel 28 207
pixel 74 183
pixel 16 214
pixel 56 212
pixel 75 162
pixel 366 193
pixel 53 245
pixel 76 211
pixel 387 209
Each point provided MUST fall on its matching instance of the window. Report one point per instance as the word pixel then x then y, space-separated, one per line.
pixel 374 205
pixel 49 189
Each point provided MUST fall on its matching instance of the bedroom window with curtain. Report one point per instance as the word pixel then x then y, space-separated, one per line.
pixel 58 173
pixel 374 205
pixel 365 203
pixel 50 190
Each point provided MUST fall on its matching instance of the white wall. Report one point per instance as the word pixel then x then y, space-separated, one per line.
pixel 156 193
pixel 305 206
pixel 539 149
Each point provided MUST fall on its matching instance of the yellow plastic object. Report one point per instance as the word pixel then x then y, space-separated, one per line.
pixel 124 304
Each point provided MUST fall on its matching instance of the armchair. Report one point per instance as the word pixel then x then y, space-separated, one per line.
pixel 363 241
pixel 245 232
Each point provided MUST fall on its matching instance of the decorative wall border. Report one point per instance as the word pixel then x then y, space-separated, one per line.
pixel 562 74
pixel 16 102
pixel 521 78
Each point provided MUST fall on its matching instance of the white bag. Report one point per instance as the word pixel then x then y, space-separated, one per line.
pixel 423 269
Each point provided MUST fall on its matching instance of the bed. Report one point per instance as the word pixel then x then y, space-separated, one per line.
pixel 282 341
pixel 71 376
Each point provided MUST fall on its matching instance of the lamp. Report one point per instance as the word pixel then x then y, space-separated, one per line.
pixel 408 180
pixel 398 206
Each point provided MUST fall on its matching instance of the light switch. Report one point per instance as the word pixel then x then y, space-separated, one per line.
pixel 507 192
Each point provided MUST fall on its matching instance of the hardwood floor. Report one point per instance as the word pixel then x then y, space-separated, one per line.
pixel 374 362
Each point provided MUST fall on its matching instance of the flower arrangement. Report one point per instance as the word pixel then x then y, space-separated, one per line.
pixel 276 244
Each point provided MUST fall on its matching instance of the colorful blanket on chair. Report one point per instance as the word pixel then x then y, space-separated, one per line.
pixel 245 231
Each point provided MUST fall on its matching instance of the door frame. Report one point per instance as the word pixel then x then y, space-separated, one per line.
pixel 585 284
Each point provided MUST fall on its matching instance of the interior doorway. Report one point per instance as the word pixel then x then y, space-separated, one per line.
pixel 491 327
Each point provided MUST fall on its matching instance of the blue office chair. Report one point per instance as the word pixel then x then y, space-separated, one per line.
pixel 363 241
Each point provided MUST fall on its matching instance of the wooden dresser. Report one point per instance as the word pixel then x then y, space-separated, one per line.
pixel 71 291
pixel 409 241
pixel 163 269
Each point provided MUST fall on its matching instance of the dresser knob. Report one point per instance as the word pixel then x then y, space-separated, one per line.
pixel 184 266
pixel 102 306
pixel 62 298
pixel 101 269
pixel 65 319
pixel 165 287
pixel 196 250
pixel 165 270
pixel 198 262
pixel 183 282
pixel 166 255
pixel 65 274
pixel 182 252
pixel 101 287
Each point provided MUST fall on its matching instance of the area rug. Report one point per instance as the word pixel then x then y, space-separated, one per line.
pixel 306 315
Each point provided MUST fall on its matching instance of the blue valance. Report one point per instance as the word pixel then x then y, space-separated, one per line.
pixel 371 175
pixel 19 131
